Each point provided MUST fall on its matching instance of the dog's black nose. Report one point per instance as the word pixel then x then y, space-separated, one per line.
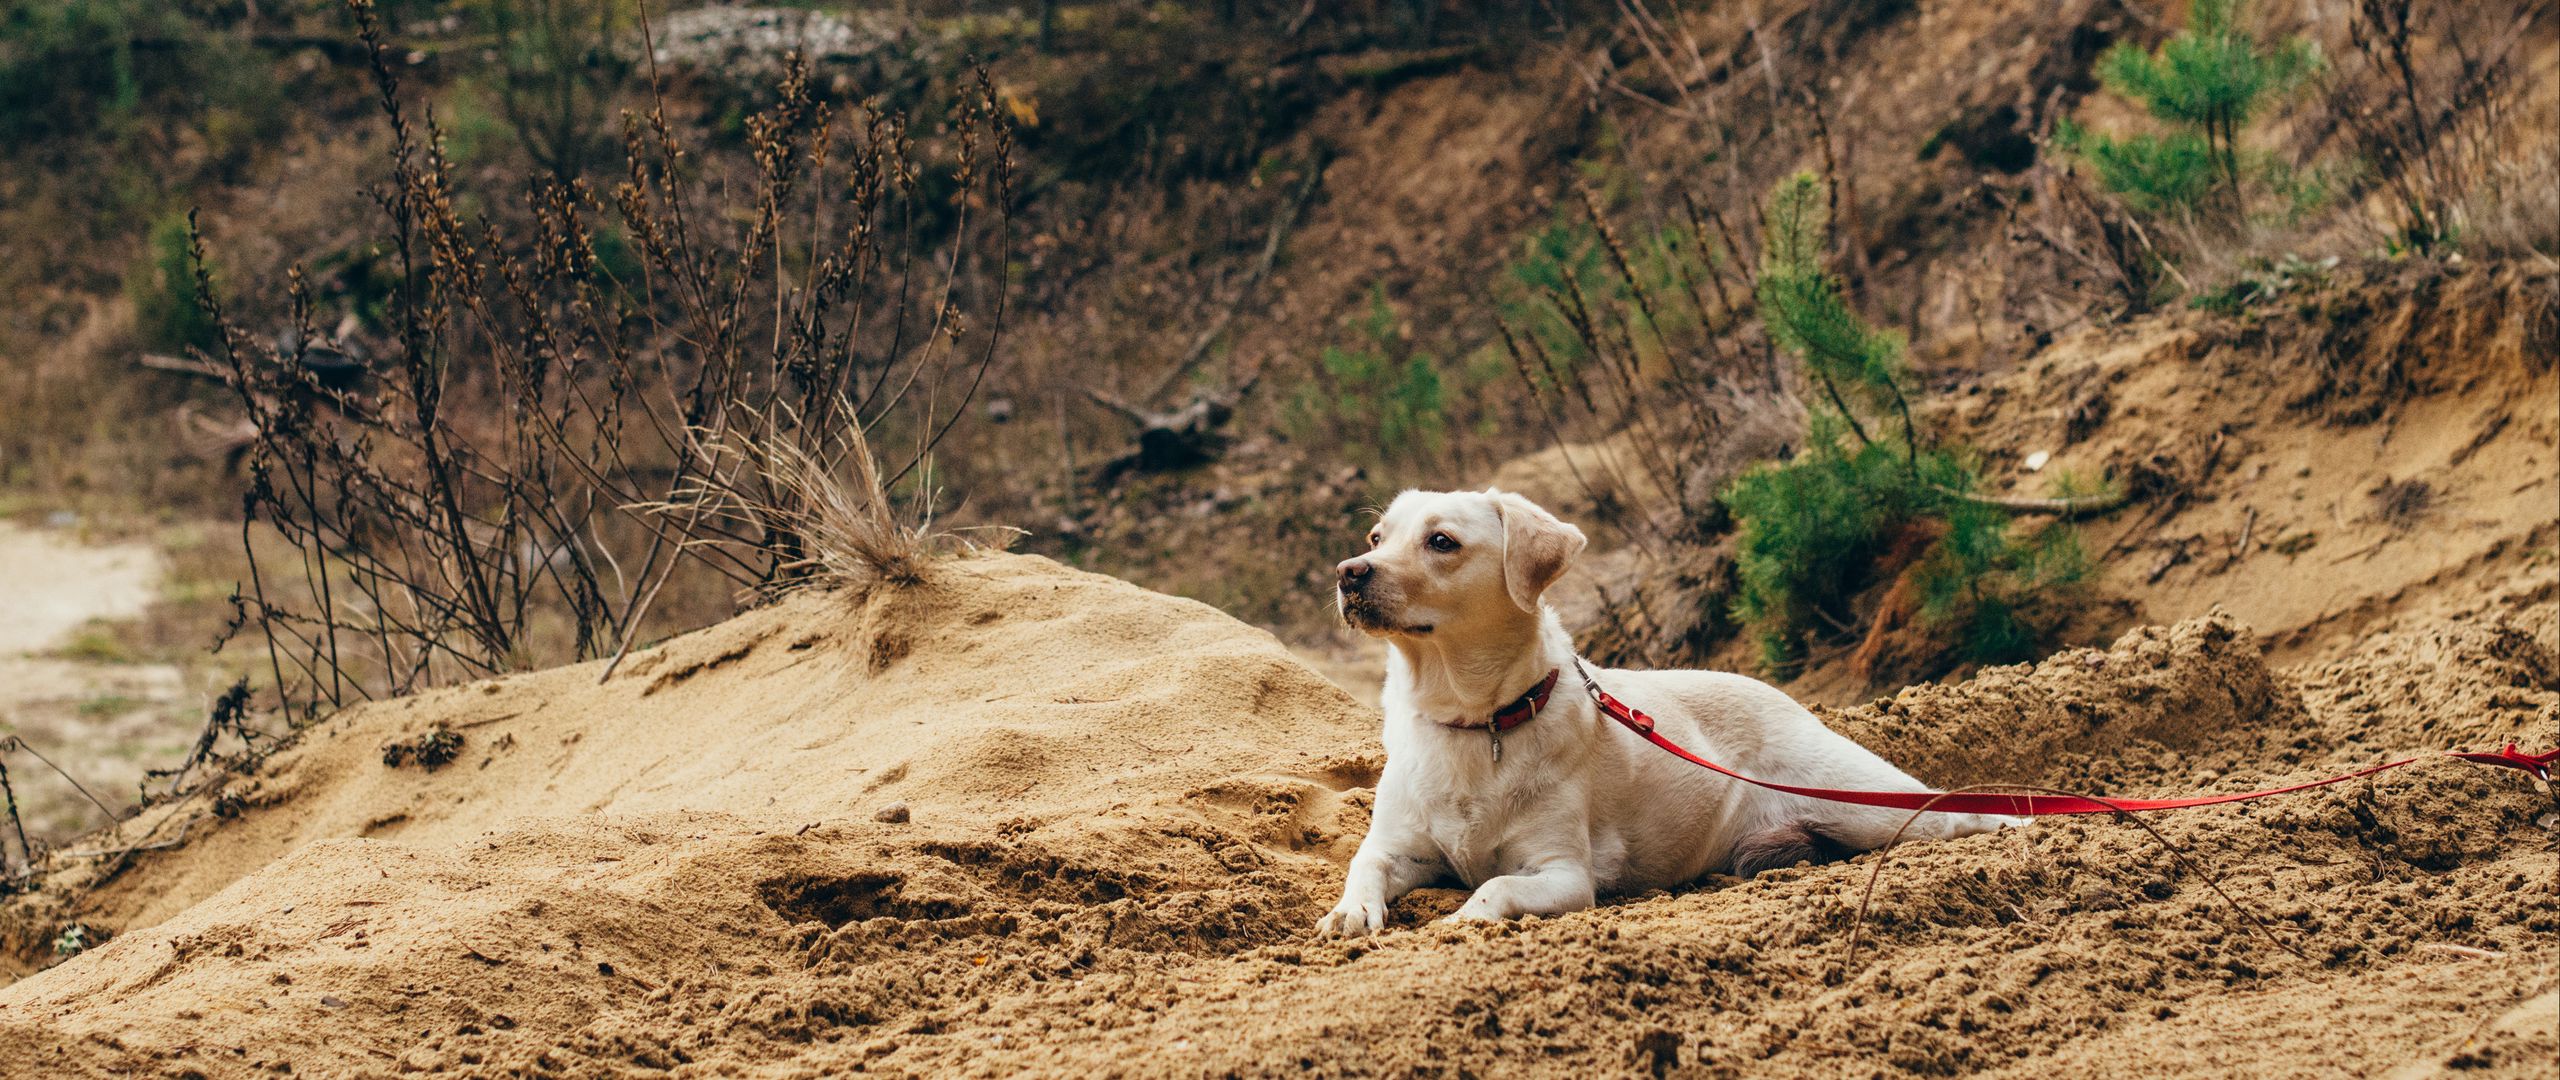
pixel 1355 574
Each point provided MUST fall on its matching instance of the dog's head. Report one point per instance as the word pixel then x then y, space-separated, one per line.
pixel 1441 559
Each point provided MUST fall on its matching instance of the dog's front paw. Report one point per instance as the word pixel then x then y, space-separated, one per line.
pixel 1353 918
pixel 1476 909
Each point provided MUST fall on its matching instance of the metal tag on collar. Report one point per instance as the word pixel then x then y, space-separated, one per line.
pixel 1493 728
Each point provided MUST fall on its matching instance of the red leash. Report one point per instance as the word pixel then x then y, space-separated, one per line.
pixel 2537 765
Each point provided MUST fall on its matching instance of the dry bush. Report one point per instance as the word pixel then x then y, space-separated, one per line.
pixel 2095 239
pixel 2428 134
pixel 2513 210
pixel 2430 104
pixel 1660 335
pixel 572 376
pixel 1638 338
pixel 1634 352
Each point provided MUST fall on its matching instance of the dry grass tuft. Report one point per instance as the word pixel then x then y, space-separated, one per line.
pixel 828 508
pixel 846 527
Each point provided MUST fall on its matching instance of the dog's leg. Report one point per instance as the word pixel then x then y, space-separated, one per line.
pixel 1866 828
pixel 1378 875
pixel 1782 846
pixel 1550 889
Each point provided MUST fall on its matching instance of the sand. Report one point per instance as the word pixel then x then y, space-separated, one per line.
pixel 1125 810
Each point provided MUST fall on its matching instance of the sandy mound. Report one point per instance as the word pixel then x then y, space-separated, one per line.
pixel 1126 809
pixel 1009 690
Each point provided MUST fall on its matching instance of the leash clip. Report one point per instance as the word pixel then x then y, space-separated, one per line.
pixel 1609 706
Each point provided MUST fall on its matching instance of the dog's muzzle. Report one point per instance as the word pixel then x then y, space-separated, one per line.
pixel 1360 613
pixel 1359 608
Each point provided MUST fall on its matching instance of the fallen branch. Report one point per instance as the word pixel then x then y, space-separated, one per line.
pixel 138 846
pixel 2070 506
pixel 1194 434
pixel 1128 412
pixel 199 368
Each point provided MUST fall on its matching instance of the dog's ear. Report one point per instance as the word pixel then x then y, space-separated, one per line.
pixel 1536 548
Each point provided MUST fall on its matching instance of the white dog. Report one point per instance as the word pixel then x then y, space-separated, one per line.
pixel 1501 771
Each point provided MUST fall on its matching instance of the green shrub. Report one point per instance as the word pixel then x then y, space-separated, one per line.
pixel 561 65
pixel 162 287
pixel 1563 275
pixel 2154 173
pixel 1988 572
pixel 1373 393
pixel 1811 530
pixel 97 70
pixel 2205 84
pixel 1809 318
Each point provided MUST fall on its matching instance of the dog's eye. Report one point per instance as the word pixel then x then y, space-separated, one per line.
pixel 1442 542
pixel 1373 539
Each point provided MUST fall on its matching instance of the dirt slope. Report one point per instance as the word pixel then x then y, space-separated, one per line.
pixel 2315 462
pixel 2382 444
pixel 1126 809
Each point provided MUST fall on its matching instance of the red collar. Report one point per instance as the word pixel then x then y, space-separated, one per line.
pixel 1515 714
